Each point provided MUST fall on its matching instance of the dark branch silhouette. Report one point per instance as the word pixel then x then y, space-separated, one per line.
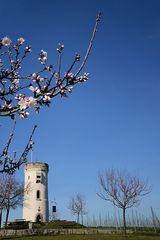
pixel 10 163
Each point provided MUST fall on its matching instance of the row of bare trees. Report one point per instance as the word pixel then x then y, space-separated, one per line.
pixel 118 187
pixel 134 219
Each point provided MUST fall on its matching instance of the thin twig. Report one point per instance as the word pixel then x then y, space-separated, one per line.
pixel 90 44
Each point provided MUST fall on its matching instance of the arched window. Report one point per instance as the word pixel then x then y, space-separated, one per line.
pixel 38 194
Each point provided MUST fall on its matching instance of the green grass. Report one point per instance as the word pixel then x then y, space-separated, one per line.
pixel 83 237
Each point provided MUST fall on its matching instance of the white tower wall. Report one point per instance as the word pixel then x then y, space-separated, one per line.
pixel 35 205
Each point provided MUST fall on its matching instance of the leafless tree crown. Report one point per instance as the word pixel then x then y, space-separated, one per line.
pixel 77 206
pixel 11 193
pixel 122 189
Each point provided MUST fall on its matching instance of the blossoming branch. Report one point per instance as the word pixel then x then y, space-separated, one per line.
pixel 19 93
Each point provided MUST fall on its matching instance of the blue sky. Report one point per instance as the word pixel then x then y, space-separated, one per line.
pixel 113 120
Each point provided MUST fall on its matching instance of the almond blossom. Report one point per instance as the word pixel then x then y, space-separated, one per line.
pixel 28 49
pixel 6 41
pixel 60 47
pixel 46 97
pixel 42 57
pixel 36 89
pixel 20 41
pixel 26 102
pixel 24 114
pixel 16 81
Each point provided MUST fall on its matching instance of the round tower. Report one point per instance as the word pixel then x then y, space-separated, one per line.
pixel 35 204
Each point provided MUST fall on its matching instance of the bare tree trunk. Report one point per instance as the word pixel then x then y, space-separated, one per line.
pixel 154 220
pixel 124 220
pixel 82 218
pixel 7 215
pixel 1 217
pixel 115 218
pixel 77 217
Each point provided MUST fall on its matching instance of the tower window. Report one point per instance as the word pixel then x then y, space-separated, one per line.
pixel 38 194
pixel 38 178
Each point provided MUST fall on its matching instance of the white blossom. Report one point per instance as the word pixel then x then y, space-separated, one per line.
pixel 7 106
pixel 46 97
pixel 20 41
pixel 26 102
pixel 70 89
pixel 37 78
pixel 83 78
pixel 32 101
pixel 24 114
pixel 36 89
pixel 16 81
pixel 69 75
pixel 28 48
pixel 42 57
pixel 60 47
pixel 19 96
pixel 6 41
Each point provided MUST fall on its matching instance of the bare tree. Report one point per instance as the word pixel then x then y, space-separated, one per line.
pixel 77 206
pixel 19 93
pixel 14 195
pixel 123 190
pixel 2 195
pixel 11 193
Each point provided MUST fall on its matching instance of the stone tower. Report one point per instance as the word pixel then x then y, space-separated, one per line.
pixel 35 204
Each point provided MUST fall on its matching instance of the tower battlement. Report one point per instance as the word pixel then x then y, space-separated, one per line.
pixel 36 165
